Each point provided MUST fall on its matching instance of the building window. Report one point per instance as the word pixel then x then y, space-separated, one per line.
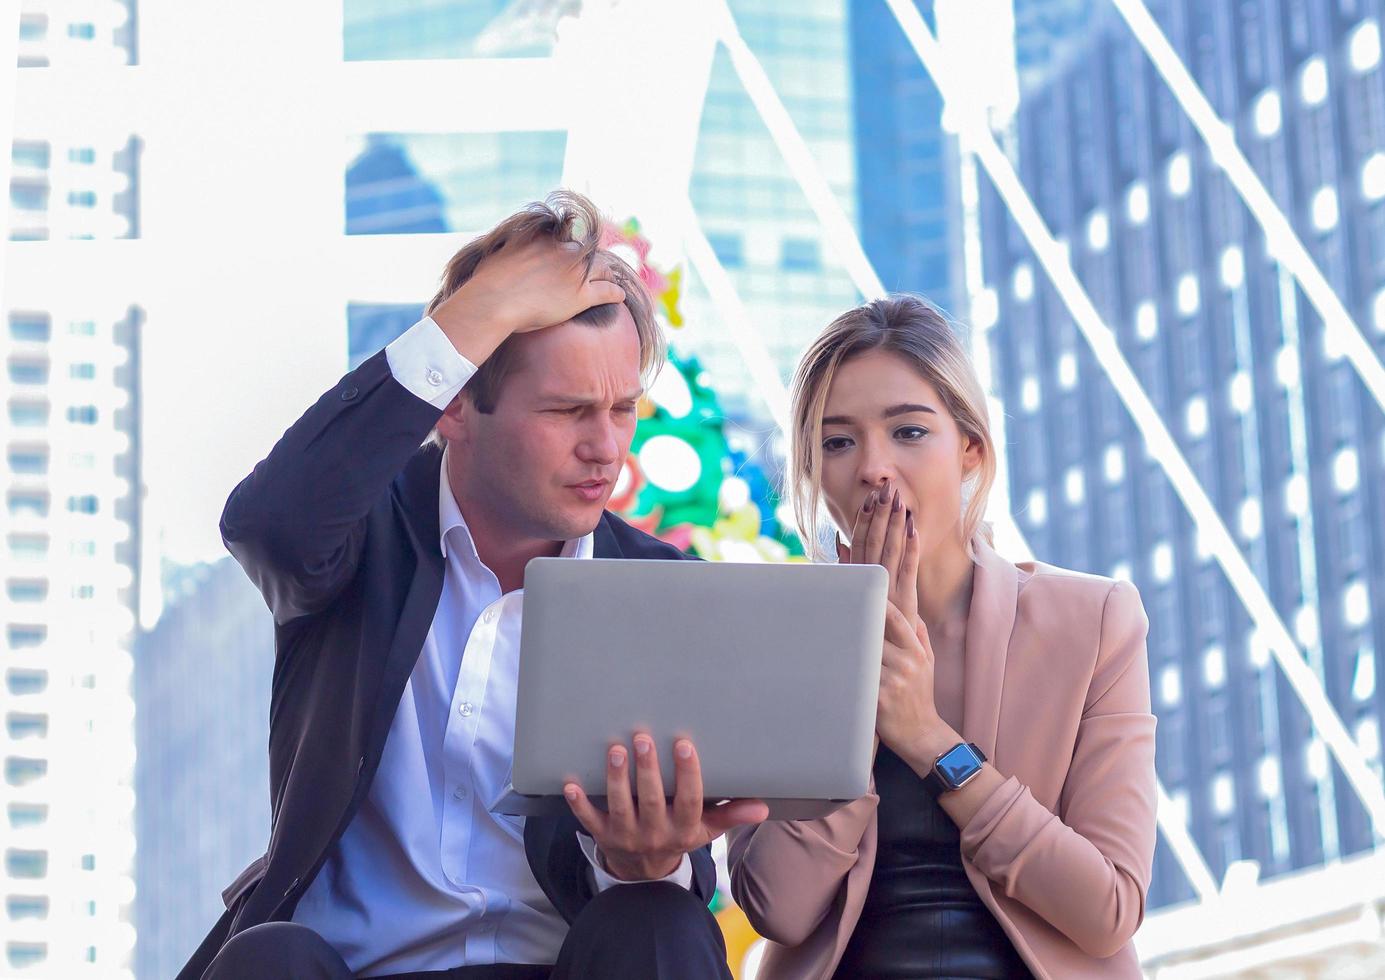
pixel 1161 561
pixel 1363 677
pixel 28 415
pixel 1074 486
pixel 1251 518
pixel 21 682
pixel 88 862
pixel 1312 81
pixel 23 955
pixel 22 726
pixel 800 255
pixel 28 461
pixel 82 328
pixel 729 249
pixel 81 154
pixel 1098 231
pixel 1179 174
pixel 1268 113
pixel 1170 686
pixel 1022 282
pixel 83 591
pixel 1214 667
pixel 83 505
pixel 82 414
pixel 23 503
pixel 22 772
pixel 1356 605
pixel 1195 416
pixel 1364 45
pixel 1037 507
pixel 26 815
pixel 82 32
pixel 1345 470
pixel 1146 321
pixel 26 864
pixel 1189 297
pixel 1268 777
pixel 1137 203
pixel 1223 794
pixel 26 637
pixel 82 372
pixel 27 590
pixel 26 907
pixel 82 199
pixel 27 373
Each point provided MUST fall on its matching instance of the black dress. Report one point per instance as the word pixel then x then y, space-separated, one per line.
pixel 922 918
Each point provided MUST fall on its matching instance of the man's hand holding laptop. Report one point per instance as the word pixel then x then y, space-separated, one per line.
pixel 644 839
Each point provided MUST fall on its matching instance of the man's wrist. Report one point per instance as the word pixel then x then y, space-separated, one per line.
pixel 474 330
pixel 640 869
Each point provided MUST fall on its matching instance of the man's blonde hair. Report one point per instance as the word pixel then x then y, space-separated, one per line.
pixel 563 216
pixel 912 329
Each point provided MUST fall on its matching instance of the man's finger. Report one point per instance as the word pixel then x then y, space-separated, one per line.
pixel 584 810
pixel 719 819
pixel 619 805
pixel 649 782
pixel 599 292
pixel 687 794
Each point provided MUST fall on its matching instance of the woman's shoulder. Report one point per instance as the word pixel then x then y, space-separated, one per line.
pixel 1078 593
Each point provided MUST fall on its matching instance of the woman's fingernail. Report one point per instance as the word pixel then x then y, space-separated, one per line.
pixel 617 759
pixel 684 750
pixel 870 502
pixel 898 503
pixel 641 746
pixel 909 524
pixel 570 792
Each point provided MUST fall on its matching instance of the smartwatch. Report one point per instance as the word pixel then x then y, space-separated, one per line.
pixel 955 768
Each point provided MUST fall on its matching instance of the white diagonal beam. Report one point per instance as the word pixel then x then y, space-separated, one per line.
pixel 794 149
pixel 1211 529
pixel 1284 242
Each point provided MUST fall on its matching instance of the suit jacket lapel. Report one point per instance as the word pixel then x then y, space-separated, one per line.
pixel 995 589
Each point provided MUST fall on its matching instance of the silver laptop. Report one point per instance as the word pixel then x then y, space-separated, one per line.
pixel 772 670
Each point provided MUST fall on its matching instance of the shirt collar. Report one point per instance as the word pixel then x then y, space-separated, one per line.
pixel 450 519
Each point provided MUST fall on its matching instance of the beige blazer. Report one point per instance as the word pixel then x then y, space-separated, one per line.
pixel 1056 693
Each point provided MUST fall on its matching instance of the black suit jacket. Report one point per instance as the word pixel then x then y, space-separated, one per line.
pixel 338 527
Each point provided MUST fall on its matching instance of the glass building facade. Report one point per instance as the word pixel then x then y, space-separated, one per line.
pixel 1272 418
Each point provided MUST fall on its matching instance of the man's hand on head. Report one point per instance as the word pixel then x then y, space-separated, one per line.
pixel 522 288
pixel 645 839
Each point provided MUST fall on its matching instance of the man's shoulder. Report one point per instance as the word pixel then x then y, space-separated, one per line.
pixel 631 542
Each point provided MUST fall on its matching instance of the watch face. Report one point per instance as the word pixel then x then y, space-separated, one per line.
pixel 957 764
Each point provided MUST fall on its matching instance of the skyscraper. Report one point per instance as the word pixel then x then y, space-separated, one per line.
pixel 1273 420
pixel 202 678
pixel 905 163
pixel 71 561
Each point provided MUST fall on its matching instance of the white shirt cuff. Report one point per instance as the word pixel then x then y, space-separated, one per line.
pixel 681 876
pixel 424 361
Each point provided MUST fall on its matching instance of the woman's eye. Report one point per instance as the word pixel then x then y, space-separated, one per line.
pixel 835 444
pixel 911 432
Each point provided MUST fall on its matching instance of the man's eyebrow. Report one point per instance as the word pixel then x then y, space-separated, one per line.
pixel 889 413
pixel 562 399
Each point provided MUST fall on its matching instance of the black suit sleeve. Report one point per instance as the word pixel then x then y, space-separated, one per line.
pixel 297 523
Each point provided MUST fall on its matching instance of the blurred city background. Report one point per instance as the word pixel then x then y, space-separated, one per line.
pixel 1160 224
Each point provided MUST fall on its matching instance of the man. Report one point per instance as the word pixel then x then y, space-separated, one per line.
pixel 395 578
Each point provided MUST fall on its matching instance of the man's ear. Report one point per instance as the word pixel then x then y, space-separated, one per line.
pixel 453 424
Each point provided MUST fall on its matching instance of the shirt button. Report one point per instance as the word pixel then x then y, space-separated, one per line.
pixel 465 709
pixel 459 793
pixel 434 377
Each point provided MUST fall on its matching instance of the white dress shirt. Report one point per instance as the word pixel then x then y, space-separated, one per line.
pixel 425 877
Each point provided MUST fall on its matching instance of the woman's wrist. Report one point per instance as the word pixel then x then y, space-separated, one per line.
pixel 933 739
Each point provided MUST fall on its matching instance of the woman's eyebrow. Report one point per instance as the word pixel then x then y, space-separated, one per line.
pixel 889 413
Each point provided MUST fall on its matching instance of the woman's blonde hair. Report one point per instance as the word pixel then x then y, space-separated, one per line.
pixel 912 329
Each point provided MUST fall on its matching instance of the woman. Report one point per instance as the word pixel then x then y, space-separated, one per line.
pixel 1036 862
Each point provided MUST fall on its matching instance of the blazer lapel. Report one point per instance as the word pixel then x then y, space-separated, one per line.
pixel 995 589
